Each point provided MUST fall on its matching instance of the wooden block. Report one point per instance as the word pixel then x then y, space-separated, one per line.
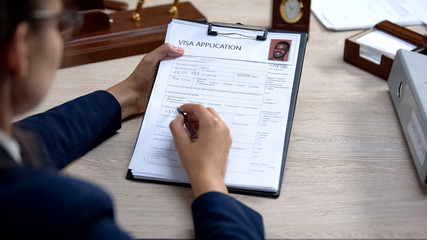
pixel 126 37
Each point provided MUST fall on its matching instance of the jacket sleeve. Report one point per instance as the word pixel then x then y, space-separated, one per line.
pixel 70 130
pixel 219 216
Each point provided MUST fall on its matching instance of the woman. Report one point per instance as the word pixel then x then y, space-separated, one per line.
pixel 37 202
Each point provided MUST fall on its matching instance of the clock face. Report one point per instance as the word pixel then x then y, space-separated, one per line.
pixel 291 10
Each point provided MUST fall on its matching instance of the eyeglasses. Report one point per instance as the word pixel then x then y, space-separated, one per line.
pixel 69 21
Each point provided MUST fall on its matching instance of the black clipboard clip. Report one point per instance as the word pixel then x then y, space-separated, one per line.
pixel 237 26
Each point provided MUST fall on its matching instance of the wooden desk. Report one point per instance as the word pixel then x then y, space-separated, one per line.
pixel 349 173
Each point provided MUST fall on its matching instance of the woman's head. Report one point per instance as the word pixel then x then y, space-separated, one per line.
pixel 31 46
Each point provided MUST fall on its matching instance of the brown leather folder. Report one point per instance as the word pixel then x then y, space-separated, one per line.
pixel 352 48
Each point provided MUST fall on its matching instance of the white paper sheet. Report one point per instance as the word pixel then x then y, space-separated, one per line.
pixel 234 76
pixel 362 14
pixel 377 43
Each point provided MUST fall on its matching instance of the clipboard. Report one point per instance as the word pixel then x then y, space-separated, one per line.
pixel 260 35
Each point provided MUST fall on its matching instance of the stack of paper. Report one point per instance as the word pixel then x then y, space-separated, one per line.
pixel 360 14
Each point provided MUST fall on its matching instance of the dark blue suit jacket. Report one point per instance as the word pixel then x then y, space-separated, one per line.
pixel 38 203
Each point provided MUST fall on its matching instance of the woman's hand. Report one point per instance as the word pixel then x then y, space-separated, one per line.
pixel 205 159
pixel 133 92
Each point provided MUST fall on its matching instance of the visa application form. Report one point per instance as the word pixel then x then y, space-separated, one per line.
pixel 233 75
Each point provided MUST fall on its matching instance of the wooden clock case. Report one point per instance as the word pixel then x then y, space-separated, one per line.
pixel 300 26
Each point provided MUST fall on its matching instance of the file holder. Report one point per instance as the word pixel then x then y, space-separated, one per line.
pixel 408 88
pixel 116 35
pixel 352 49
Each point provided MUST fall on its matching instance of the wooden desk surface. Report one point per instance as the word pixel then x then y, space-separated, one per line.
pixel 349 173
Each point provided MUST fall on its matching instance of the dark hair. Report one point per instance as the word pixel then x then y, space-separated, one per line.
pixel 284 43
pixel 12 13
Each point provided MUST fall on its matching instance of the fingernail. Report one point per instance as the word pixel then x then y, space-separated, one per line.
pixel 179 49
